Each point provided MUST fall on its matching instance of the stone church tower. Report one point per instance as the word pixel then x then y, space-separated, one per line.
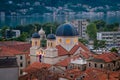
pixel 35 47
pixel 51 53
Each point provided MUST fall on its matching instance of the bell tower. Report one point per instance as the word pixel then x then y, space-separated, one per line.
pixel 51 52
pixel 35 47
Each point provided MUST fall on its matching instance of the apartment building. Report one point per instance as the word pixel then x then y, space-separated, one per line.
pixel 81 26
pixel 112 38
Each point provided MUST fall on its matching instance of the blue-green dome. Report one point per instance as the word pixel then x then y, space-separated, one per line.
pixel 51 36
pixel 66 29
pixel 35 35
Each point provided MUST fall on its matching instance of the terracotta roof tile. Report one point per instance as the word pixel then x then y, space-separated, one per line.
pixel 36 66
pixel 74 49
pixel 72 72
pixel 21 46
pixel 66 61
pixel 98 74
pixel 83 47
pixel 108 57
pixel 61 50
pixel 12 48
pixel 6 51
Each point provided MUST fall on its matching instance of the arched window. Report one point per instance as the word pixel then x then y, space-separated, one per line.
pixel 48 43
pixel 51 44
pixel 101 65
pixel 95 65
pixel 89 64
pixel 35 43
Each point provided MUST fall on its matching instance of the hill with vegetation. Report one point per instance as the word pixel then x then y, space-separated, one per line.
pixel 29 7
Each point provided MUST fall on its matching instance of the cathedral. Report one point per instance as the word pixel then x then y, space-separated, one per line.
pixel 61 45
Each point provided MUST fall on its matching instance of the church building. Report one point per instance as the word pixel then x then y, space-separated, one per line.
pixel 60 46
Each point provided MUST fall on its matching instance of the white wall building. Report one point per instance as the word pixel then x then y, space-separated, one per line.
pixel 112 38
pixel 81 26
pixel 17 33
pixel 8 68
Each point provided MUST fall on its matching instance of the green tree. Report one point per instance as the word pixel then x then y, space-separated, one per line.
pixel 3 31
pixel 114 50
pixel 100 25
pixel 47 27
pixel 92 31
pixel 43 43
pixel 99 44
pixel 96 44
pixel 84 41
pixel 22 37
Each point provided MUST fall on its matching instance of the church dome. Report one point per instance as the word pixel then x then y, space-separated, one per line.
pixel 35 35
pixel 66 29
pixel 41 32
pixel 51 36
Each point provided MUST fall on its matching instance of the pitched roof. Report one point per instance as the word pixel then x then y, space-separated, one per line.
pixel 71 74
pixel 66 61
pixel 83 47
pixel 7 51
pixel 74 49
pixel 98 74
pixel 108 57
pixel 61 51
pixel 12 48
pixel 20 46
pixel 36 66
pixel 84 54
pixel 12 43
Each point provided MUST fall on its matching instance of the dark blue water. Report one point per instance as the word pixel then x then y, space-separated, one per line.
pixel 23 20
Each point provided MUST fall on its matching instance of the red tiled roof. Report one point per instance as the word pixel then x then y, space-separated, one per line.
pixel 98 74
pixel 74 49
pixel 21 46
pixel 12 48
pixel 68 73
pixel 6 51
pixel 83 46
pixel 85 54
pixel 72 71
pixel 36 66
pixel 66 61
pixel 108 57
pixel 6 43
pixel 61 50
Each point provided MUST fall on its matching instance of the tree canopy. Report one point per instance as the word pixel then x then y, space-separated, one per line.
pixel 91 31
pixel 114 50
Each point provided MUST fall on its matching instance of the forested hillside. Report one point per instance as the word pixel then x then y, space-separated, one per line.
pixel 48 6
